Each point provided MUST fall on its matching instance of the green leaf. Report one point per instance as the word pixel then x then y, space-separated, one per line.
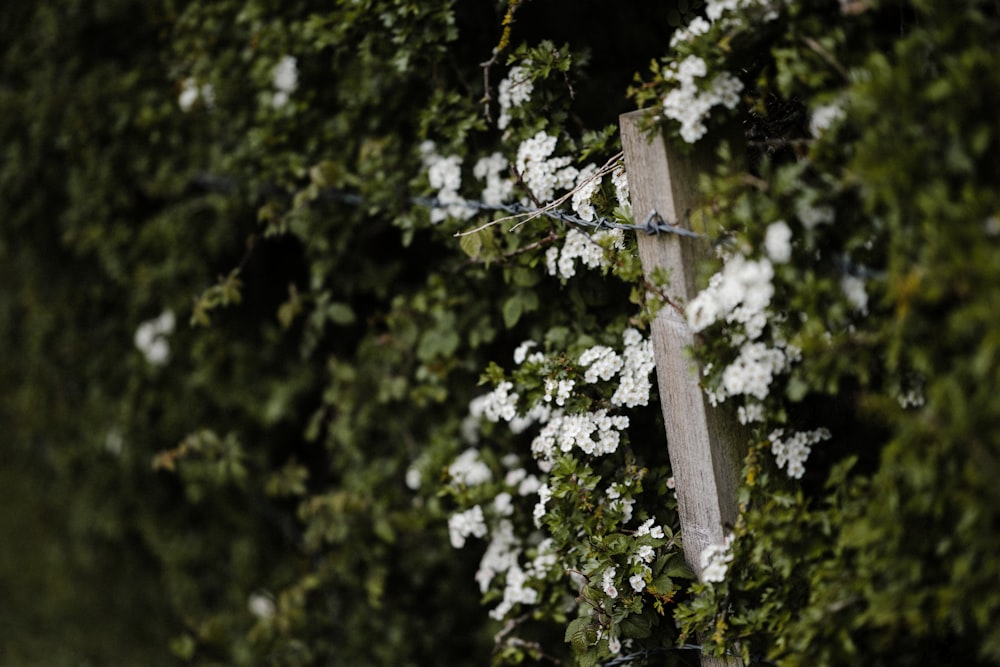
pixel 340 313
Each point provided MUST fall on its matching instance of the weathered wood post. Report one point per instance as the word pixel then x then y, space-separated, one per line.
pixel 705 444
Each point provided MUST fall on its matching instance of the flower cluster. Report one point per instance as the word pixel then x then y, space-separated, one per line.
pixel 285 79
pixel 514 91
pixel 740 293
pixel 689 103
pixel 540 172
pixel 445 176
pixel 191 92
pixel 791 452
pixel 589 250
pixel 715 559
pixel 498 188
pixel 151 338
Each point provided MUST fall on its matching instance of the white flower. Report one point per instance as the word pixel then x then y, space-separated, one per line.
pixel 541 174
pixel 445 175
pixel 634 384
pixel 521 353
pixel 285 75
pixel 647 528
pixel 740 293
pixel 689 105
pixel 498 188
pixel 614 645
pixel 500 556
pixel 854 289
pixel 601 362
pixel 751 412
pixel 261 606
pixel 824 117
pixel 587 185
pixel 413 479
pixel 503 504
pixel 151 338
pixel 752 372
pixel 500 403
pixel 469 470
pixel 587 249
pixel 645 553
pixel 608 583
pixel 778 242
pixel 619 179
pixel 791 453
pixel 637 582
pixel 715 559
pixel 544 493
pixel 464 524
pixel 514 91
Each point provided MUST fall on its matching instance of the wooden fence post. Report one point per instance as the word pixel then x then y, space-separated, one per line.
pixel 706 444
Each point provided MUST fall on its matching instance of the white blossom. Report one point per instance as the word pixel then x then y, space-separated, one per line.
pixel 614 645
pixel 634 384
pixel 698 26
pixel 261 606
pixel 501 554
pixel 515 592
pixel 823 117
pixel 753 371
pixel 588 183
pixel 500 403
pixel 715 559
pixel 649 528
pixel 465 524
pixel 751 412
pixel 151 338
pixel 514 91
pixel 498 187
pixel 740 292
pixel 778 242
pixel 503 504
pixel 445 175
pixel 608 583
pixel 544 493
pixel 811 216
pixel 601 362
pixel 285 79
pixel 469 470
pixel 579 246
pixel 690 104
pixel 854 289
pixel 791 452
pixel 542 174
pixel 619 179
pixel 638 583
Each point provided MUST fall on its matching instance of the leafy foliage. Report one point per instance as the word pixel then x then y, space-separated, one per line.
pixel 275 479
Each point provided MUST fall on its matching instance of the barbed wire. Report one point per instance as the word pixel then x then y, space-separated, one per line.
pixel 648 653
pixel 652 224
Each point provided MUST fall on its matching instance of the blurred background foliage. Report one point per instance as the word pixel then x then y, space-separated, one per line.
pixel 245 502
pixel 145 506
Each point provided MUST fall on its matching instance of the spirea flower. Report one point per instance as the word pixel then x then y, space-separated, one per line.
pixel 513 91
pixel 715 559
pixel 469 470
pixel 151 338
pixel 285 79
pixel 608 583
pixel 465 524
pixel 778 242
pixel 791 452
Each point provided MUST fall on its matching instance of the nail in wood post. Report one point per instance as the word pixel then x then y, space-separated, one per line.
pixel 705 444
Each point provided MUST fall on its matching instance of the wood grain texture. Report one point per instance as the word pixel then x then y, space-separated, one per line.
pixel 706 445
